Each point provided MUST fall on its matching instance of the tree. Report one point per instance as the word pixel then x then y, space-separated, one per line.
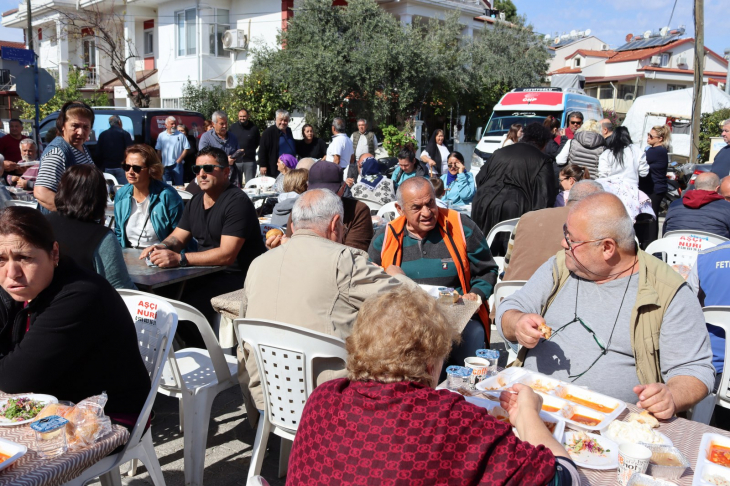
pixel 258 93
pixel 76 81
pixel 204 99
pixel 508 8
pixel 710 127
pixel 101 21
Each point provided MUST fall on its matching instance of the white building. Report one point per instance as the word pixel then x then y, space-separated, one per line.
pixel 646 64
pixel 182 40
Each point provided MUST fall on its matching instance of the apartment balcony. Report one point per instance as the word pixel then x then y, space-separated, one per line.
pixel 92 76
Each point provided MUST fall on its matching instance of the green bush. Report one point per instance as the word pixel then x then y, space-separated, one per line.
pixel 710 127
pixel 395 139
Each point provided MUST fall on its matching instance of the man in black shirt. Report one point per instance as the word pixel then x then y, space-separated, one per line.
pixel 110 149
pixel 223 221
pixel 248 137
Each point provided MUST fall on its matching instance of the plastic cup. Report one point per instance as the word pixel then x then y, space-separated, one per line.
pixel 480 370
pixel 491 355
pixel 632 459
pixel 50 436
pixel 457 377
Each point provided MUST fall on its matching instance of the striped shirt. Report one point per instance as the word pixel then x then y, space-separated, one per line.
pixel 53 165
pixel 429 262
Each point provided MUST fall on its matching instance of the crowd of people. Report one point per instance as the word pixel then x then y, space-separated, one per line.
pixel 579 192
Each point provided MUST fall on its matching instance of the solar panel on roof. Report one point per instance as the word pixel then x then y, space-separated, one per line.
pixel 646 43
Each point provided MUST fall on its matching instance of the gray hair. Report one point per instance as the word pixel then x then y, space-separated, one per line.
pixel 363 120
pixel 28 141
pixel 171 118
pixel 413 184
pixel 707 181
pixel 584 188
pixel 726 122
pixel 315 209
pixel 280 113
pixel 339 125
pixel 306 163
pixel 115 120
pixel 608 219
pixel 607 125
pixel 218 114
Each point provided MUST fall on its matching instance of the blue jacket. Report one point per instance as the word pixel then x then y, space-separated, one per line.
pixel 461 191
pixel 699 210
pixel 166 208
pixel 721 164
pixel 65 147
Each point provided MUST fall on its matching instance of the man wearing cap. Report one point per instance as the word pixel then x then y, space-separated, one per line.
pixel 357 221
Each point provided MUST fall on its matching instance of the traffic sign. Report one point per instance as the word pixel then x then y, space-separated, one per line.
pixel 25 86
pixel 23 56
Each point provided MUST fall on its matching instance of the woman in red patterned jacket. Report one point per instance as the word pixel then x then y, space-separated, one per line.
pixel 386 425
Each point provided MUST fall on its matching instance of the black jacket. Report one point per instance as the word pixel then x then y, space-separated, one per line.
pixel 110 147
pixel 248 137
pixel 81 342
pixel 269 149
pixel 316 150
pixel 519 178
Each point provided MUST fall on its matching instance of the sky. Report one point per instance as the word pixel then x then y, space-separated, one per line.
pixel 608 20
pixel 611 20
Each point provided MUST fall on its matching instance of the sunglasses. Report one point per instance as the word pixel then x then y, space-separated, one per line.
pixel 136 168
pixel 207 168
pixel 576 123
pixel 651 136
pixel 601 345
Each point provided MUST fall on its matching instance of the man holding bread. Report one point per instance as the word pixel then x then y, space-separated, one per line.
pixel 623 323
pixel 311 280
pixel 223 221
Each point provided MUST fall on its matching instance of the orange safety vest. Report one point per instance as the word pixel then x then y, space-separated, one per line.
pixel 449 225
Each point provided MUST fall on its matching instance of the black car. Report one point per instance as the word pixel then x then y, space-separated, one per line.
pixel 144 124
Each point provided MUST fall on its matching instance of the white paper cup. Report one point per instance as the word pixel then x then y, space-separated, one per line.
pixel 632 459
pixel 480 369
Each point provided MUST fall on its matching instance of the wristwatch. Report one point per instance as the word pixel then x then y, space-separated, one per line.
pixel 183 260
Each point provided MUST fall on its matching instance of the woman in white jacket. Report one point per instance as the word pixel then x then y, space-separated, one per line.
pixel 622 159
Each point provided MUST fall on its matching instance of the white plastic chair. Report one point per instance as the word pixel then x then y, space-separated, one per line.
pixel 263 181
pixel 155 342
pixel 25 204
pixel 501 290
pixel 284 356
pixel 388 212
pixel 702 412
pixel 504 227
pixel 184 195
pixel 195 377
pixel 682 247
pixel 111 178
pixel 373 205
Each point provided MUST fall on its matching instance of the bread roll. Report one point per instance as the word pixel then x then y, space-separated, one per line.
pixel 274 232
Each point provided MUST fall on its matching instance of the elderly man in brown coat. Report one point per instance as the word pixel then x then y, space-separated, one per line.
pixel 312 281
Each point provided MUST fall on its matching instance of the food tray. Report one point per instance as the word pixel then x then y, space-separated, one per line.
pixel 703 467
pixel 489 405
pixel 638 479
pixel 671 473
pixel 12 449
pixel 502 380
pixel 666 441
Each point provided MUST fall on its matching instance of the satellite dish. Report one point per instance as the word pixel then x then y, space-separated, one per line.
pixel 556 40
pixel 588 32
pixel 647 34
pixel 547 37
pixel 664 31
pixel 629 37
pixel 573 34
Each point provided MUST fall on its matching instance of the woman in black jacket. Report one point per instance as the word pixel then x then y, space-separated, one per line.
pixel 64 331
pixel 310 146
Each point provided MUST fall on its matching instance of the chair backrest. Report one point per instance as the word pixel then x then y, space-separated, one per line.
pixel 156 323
pixel 263 181
pixel 373 205
pixel 503 227
pixel 703 235
pixel 184 195
pixel 26 204
pixel 265 227
pixel 720 316
pixel 284 355
pixel 388 212
pixel 186 312
pixel 505 289
pixel 680 249
pixel 111 179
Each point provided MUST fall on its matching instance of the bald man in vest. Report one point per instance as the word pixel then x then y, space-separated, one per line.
pixel 441 247
pixel 624 323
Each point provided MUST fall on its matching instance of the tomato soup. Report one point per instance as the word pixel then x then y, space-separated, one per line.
pixel 719 455
pixel 586 403
pixel 582 419
pixel 548 408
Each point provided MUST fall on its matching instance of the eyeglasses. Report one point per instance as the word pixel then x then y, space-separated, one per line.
pixel 572 244
pixel 573 122
pixel 651 136
pixel 136 168
pixel 207 168
pixel 601 345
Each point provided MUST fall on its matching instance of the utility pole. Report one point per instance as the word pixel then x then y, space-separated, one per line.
pixel 727 78
pixel 35 68
pixel 699 65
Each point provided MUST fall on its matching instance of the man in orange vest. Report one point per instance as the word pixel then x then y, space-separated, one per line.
pixel 436 246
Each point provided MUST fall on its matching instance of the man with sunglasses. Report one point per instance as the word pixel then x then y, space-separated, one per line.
pixel 223 221
pixel 624 323
pixel 575 121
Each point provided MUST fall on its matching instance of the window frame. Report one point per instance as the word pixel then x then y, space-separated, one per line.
pixel 185 50
pixel 665 59
pixel 151 34
pixel 215 32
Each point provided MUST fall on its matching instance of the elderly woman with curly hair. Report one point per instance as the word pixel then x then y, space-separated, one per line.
pixel 385 424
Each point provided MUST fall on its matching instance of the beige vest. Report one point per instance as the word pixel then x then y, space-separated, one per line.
pixel 369 138
pixel 658 284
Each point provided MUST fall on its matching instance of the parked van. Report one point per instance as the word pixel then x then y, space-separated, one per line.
pixel 143 124
pixel 530 105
